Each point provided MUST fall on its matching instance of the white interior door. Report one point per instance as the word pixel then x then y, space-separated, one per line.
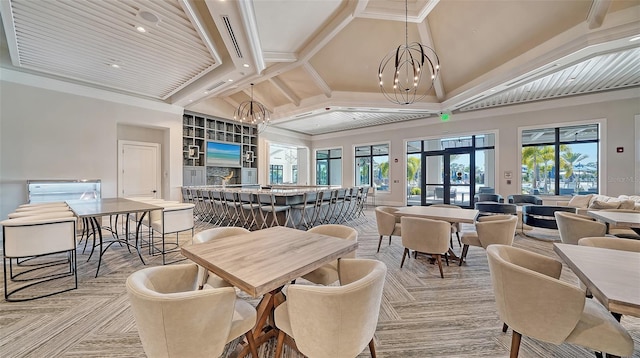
pixel 139 172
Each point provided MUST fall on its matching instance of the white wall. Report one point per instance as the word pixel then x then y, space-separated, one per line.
pixel 48 134
pixel 617 110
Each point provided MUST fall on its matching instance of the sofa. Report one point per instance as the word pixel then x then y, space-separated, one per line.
pixel 584 203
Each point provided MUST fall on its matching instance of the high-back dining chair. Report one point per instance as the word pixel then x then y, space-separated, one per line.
pixel 50 235
pixel 328 273
pixel 426 236
pixel 573 227
pixel 493 229
pixel 172 219
pixel 174 319
pixel 388 224
pixel 533 301
pixel 206 278
pixel 334 321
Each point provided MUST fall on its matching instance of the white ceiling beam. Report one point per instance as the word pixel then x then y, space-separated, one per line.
pixel 319 81
pixel 251 28
pixel 597 12
pixel 272 56
pixel 425 39
pixel 286 91
pixel 259 98
pixel 230 100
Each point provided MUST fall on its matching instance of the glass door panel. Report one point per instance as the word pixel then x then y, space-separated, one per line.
pixel 460 179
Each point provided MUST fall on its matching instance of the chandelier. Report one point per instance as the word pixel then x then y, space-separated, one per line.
pixel 252 112
pixel 402 72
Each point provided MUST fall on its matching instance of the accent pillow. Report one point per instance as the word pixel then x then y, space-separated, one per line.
pixel 627 205
pixel 604 205
pixel 580 201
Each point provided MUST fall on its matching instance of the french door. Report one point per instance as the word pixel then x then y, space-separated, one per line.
pixel 448 177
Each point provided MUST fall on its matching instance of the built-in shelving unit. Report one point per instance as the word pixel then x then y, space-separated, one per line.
pixel 198 130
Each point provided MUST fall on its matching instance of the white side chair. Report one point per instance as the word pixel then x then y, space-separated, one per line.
pixel 45 241
pixel 206 278
pixel 533 301
pixel 328 273
pixel 175 319
pixel 173 219
pixel 613 243
pixel 334 321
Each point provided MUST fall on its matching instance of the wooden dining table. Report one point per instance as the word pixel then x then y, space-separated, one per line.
pixel 631 220
pixel 261 262
pixel 451 215
pixel 612 276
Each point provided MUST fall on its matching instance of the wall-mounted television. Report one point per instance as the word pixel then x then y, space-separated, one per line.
pixel 224 154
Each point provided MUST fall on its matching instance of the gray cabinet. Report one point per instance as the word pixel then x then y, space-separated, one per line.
pixel 194 176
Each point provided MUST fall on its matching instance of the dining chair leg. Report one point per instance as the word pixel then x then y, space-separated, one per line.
pixel 389 239
pixel 379 243
pixel 515 344
pixel 252 344
pixel 404 255
pixel 280 344
pixel 372 348
pixel 505 327
pixel 439 260
pixel 458 236
pixel 463 255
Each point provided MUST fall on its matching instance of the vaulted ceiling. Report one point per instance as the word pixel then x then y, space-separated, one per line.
pixel 314 63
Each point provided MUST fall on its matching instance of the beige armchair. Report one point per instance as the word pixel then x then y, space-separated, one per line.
pixel 49 239
pixel 328 273
pixel 426 236
pixel 388 223
pixel 312 314
pixel 573 227
pixel 533 301
pixel 207 279
pixel 494 229
pixel 176 320
pixel 455 227
pixel 613 243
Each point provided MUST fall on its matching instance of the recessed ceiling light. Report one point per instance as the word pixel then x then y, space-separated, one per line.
pixel 230 80
pixel 141 29
pixel 206 92
pixel 190 100
pixel 114 65
pixel 635 38
pixel 571 79
pixel 246 65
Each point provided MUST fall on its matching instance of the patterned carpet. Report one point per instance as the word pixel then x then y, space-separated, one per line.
pixel 422 315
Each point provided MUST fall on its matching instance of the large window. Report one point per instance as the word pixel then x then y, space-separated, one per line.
pixel 372 166
pixel 329 167
pixel 561 160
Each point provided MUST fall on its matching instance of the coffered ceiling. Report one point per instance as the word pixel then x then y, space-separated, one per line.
pixel 314 62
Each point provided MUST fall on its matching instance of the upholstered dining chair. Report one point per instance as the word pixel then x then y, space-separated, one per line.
pixel 494 229
pixel 334 321
pixel 608 242
pixel 387 222
pixel 455 227
pixel 533 301
pixel 206 278
pixel 328 273
pixel 573 227
pixel 174 319
pixel 426 236
pixel 46 240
